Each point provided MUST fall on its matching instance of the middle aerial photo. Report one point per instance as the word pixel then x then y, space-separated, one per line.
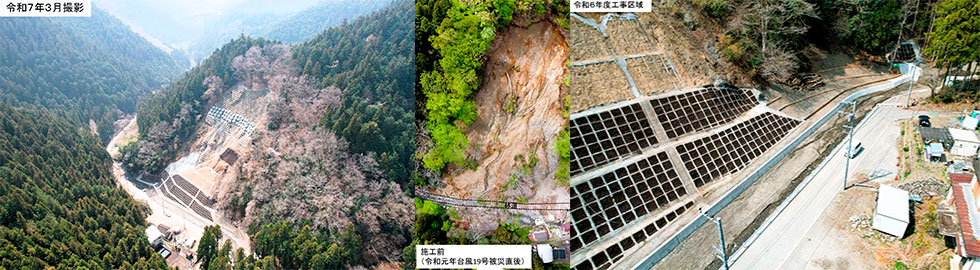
pixel 492 108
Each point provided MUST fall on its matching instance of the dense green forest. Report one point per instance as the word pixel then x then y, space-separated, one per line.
pixel 280 245
pixel 956 33
pixel 61 207
pixel 955 45
pixel 451 39
pixel 104 28
pixel 167 117
pixel 371 60
pixel 310 22
pixel 291 29
pixel 85 68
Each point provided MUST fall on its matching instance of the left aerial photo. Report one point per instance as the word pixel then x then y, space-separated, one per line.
pixel 214 134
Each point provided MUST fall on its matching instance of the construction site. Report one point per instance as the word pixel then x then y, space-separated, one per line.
pixel 183 196
pixel 661 149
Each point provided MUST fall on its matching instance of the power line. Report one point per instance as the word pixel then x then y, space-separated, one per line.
pixel 479 203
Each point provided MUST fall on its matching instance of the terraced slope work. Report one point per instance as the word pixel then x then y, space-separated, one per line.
pixel 646 150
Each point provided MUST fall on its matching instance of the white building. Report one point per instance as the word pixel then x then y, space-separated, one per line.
pixel 545 253
pixel 154 235
pixel 892 211
pixel 965 142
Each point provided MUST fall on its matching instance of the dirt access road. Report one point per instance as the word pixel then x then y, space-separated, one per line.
pixel 164 211
pixel 795 239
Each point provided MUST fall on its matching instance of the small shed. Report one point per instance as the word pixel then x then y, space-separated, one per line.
pixel 970 123
pixel 891 211
pixel 545 253
pixel 965 142
pixel 154 235
pixel 934 151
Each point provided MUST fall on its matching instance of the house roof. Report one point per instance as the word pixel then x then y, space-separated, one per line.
pixel 539 235
pixel 935 134
pixel 960 178
pixel 152 233
pixel 963 135
pixel 967 243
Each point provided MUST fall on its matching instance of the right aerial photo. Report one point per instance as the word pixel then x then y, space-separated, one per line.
pixel 780 134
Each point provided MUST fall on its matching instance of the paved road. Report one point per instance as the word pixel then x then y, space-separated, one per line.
pixel 788 242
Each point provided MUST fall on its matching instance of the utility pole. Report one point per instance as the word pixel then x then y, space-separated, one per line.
pixel 849 130
pixel 720 250
pixel 911 82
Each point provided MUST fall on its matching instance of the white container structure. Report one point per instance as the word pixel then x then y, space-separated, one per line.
pixel 545 253
pixel 891 211
pixel 965 142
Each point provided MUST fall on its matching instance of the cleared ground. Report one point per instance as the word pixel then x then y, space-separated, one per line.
pixel 165 211
pixel 598 84
pixel 791 240
pixel 814 231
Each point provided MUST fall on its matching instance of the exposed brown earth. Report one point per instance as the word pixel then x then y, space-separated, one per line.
pixel 519 110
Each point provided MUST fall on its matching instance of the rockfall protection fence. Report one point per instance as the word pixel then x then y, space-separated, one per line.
pixel 492 204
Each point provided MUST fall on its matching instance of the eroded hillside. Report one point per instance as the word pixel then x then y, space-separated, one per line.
pixel 519 116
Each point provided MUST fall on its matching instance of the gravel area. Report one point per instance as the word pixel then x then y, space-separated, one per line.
pixel 626 38
pixel 598 84
pixel 927 187
pixel 585 42
pixel 650 76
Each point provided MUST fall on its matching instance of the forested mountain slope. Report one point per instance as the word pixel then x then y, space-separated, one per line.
pixel 312 21
pixel 333 182
pixel 371 59
pixel 60 205
pixel 104 28
pixel 167 117
pixel 86 68
pixel 291 29
pixel 332 139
